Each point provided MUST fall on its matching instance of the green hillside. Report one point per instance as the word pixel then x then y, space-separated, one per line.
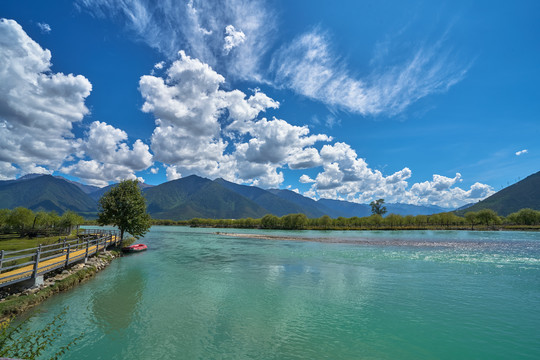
pixel 194 196
pixel 523 194
pixel 45 193
pixel 272 203
pixel 310 207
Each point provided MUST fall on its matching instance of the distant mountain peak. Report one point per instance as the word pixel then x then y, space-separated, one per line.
pixel 32 176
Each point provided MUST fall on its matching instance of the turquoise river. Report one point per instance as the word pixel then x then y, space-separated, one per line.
pixel 200 294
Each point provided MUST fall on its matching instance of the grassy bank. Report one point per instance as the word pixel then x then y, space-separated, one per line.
pixel 11 242
pixel 19 302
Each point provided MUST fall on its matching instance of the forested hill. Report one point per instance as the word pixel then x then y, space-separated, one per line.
pixel 523 194
pixel 185 198
pixel 46 192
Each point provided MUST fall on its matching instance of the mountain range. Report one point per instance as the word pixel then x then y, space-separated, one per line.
pixel 194 196
pixel 523 194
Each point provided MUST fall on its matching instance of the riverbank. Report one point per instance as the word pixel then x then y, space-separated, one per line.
pixel 18 302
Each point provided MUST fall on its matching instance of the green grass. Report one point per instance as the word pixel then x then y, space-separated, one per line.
pixel 11 242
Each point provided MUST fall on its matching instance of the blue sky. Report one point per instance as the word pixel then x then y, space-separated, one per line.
pixel 420 102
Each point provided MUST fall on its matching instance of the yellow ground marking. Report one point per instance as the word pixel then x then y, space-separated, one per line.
pixel 50 264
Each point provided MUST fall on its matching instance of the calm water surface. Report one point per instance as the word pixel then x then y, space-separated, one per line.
pixel 399 295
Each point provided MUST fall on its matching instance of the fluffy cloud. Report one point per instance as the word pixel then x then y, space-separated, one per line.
pixel 233 38
pixel 99 174
pixel 112 159
pixel 277 141
pixel 205 130
pixel 274 144
pixel 347 177
pixel 172 173
pixel 188 105
pixel 7 171
pixel 441 191
pixel 305 179
pixel 521 152
pixel 37 107
pixel 308 66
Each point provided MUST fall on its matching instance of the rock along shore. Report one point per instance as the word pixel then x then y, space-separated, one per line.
pixel 14 303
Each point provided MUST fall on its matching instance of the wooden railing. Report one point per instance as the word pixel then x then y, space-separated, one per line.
pixel 27 264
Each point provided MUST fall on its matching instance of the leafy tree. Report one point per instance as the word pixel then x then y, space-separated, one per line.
pixel 70 219
pixel 393 220
pixel 472 218
pixel 375 220
pixel 294 221
pixel 21 219
pixel 44 220
pixel 325 222
pixel 487 216
pixel 270 221
pixel 525 217
pixel 4 216
pixel 421 220
pixel 435 219
pixel 125 207
pixel 408 220
pixel 341 222
pixel 377 207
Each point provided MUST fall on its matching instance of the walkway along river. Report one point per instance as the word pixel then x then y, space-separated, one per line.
pixel 38 261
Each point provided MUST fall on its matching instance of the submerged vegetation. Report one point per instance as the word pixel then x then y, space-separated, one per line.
pixel 22 342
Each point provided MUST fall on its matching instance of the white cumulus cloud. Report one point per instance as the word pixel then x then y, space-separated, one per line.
pixel 233 38
pixel 348 177
pixel 37 107
pixel 521 152
pixel 111 157
pixel 191 136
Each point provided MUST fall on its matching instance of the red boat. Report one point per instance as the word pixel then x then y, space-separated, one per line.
pixel 134 248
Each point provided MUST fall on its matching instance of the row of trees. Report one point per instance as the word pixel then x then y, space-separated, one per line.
pixel 26 222
pixel 483 218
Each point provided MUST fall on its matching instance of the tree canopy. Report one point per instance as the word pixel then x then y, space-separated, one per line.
pixel 377 207
pixel 125 207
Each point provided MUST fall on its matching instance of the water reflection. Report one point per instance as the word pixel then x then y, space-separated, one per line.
pixel 114 308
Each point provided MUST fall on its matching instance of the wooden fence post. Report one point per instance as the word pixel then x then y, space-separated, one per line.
pixel 87 245
pixel 1 258
pixel 67 256
pixel 36 263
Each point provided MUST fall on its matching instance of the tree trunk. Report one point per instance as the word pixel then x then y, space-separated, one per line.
pixel 121 235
